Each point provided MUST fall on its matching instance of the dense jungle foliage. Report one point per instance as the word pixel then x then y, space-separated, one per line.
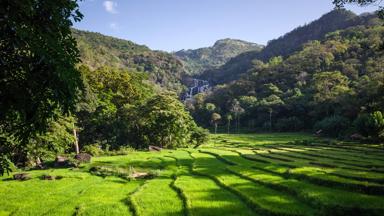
pixel 289 43
pixel 334 86
pixel 98 50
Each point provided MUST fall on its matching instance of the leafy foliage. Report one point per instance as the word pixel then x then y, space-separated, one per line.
pixel 38 57
pixel 325 85
pixel 288 44
pixel 380 11
pixel 120 109
pixel 98 50
pixel 39 80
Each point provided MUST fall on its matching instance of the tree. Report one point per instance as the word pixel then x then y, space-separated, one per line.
pixel 270 103
pixel 215 119
pixel 229 118
pixel 371 125
pixel 329 87
pixel 165 122
pixel 38 58
pixel 380 12
pixel 237 110
pixel 107 110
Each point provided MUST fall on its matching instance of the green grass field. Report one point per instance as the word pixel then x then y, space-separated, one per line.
pixel 249 174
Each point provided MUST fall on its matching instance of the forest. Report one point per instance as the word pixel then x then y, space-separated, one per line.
pixel 334 86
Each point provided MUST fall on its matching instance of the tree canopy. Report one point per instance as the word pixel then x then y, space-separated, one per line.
pixel 38 57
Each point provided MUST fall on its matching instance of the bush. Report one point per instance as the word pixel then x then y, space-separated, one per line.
pixel 123 150
pixel 6 166
pixel 289 124
pixel 371 125
pixel 94 150
pixel 199 136
pixel 333 126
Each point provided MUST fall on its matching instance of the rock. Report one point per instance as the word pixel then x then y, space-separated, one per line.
pixel 47 177
pixel 21 176
pixel 357 136
pixel 140 175
pixel 83 157
pixel 154 148
pixel 62 161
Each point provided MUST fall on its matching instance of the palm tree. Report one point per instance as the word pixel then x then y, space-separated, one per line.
pixel 229 118
pixel 215 119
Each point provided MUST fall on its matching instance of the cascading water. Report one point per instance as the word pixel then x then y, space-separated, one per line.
pixel 199 86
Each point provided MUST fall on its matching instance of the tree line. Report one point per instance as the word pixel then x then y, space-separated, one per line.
pixel 334 87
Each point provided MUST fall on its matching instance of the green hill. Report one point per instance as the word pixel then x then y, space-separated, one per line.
pixel 287 44
pixel 198 60
pixel 98 50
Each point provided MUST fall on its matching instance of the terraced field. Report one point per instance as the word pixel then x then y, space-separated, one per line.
pixel 263 174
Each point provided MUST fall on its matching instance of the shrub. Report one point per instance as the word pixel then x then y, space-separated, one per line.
pixel 199 136
pixel 371 125
pixel 6 166
pixel 123 150
pixel 94 150
pixel 333 126
pixel 289 124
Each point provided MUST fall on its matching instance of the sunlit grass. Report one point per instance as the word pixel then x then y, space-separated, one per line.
pixel 245 174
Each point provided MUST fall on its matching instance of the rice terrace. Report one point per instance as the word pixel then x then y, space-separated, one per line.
pixel 264 174
pixel 192 108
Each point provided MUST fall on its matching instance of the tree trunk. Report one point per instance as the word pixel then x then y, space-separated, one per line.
pixel 270 120
pixel 228 126
pixel 215 128
pixel 76 140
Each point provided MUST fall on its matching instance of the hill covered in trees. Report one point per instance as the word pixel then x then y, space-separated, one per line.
pixel 288 43
pixel 198 60
pixel 334 85
pixel 99 50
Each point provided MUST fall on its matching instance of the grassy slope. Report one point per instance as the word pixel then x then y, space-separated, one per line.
pixel 248 174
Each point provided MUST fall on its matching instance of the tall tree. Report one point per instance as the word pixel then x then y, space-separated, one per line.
pixel 237 110
pixel 341 3
pixel 37 60
pixel 38 57
pixel 229 118
pixel 215 119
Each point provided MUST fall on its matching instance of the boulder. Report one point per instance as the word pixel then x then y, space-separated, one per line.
pixel 62 161
pixel 21 176
pixel 83 157
pixel 357 136
pixel 47 177
pixel 154 148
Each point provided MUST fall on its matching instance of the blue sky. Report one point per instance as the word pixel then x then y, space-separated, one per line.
pixel 172 25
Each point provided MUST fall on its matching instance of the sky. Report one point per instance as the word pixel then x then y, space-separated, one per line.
pixel 172 25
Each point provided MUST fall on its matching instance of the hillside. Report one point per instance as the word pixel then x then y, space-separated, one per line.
pixel 287 44
pixel 198 60
pixel 98 50
pixel 329 85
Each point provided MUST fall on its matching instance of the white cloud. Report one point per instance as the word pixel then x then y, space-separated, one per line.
pixel 110 6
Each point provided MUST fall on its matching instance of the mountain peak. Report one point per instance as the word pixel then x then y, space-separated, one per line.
pixel 198 60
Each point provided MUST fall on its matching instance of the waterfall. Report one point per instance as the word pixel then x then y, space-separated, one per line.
pixel 199 86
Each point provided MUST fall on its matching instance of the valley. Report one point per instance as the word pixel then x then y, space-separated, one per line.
pixel 92 124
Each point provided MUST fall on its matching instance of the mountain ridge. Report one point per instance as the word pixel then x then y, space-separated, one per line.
pixel 287 44
pixel 198 60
